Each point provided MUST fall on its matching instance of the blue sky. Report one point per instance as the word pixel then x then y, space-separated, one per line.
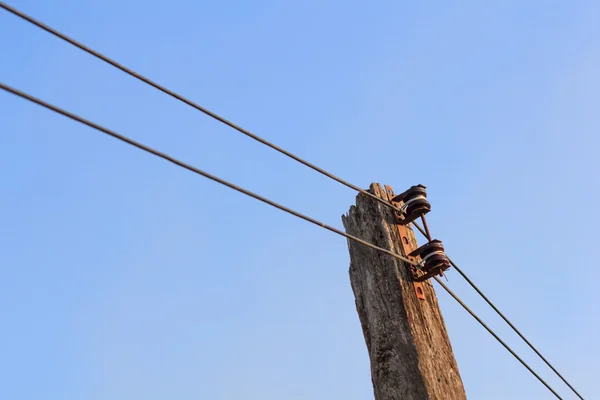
pixel 124 277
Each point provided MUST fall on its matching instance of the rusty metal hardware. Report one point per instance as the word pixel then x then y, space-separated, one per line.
pixel 407 248
pixel 414 205
pixel 427 233
pixel 433 259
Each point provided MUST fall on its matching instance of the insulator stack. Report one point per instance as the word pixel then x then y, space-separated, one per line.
pixel 414 205
pixel 433 259
pixel 409 206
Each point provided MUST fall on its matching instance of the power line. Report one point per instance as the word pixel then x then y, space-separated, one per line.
pixel 179 163
pixel 185 100
pixel 196 170
pixel 514 328
pixel 248 133
pixel 451 293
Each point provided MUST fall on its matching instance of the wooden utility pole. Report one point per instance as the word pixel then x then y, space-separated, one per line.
pixel 411 356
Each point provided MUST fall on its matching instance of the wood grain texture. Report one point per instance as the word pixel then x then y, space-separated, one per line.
pixel 410 353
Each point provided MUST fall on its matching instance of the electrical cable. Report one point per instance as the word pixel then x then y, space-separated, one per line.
pixel 179 163
pixel 511 351
pixel 246 132
pixel 183 99
pixel 514 328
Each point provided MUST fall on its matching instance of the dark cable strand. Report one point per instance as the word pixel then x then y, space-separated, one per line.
pixel 179 163
pixel 511 351
pixel 196 170
pixel 514 328
pixel 185 100
pixel 190 103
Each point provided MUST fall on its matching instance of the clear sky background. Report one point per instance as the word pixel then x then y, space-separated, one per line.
pixel 123 277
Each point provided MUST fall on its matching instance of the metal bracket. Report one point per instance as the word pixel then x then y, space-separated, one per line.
pixel 406 245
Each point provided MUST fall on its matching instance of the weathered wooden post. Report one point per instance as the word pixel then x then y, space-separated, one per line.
pixel 411 356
